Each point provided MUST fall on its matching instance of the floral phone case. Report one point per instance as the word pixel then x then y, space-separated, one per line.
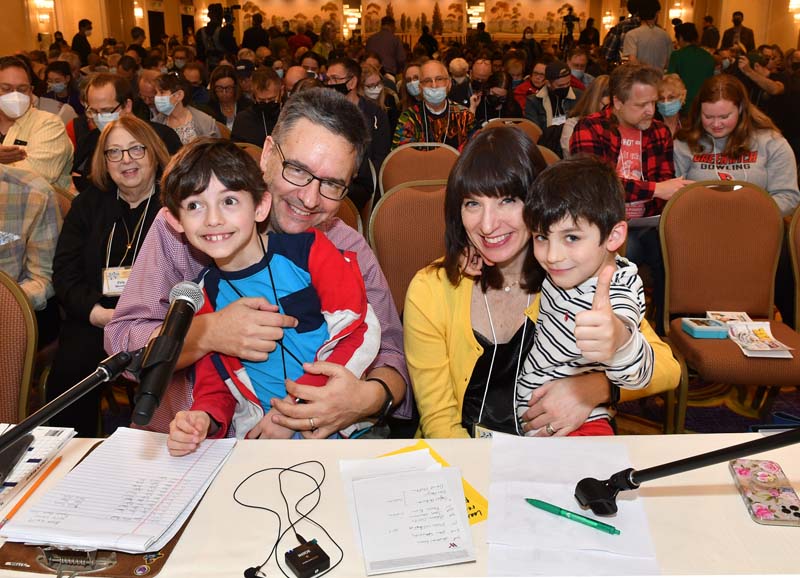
pixel 766 492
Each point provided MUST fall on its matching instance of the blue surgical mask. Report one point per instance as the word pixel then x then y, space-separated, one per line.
pixel 434 96
pixel 725 63
pixel 57 87
pixel 577 73
pixel 413 87
pixel 179 63
pixel 101 119
pixel 112 70
pixel 279 72
pixel 669 108
pixel 164 105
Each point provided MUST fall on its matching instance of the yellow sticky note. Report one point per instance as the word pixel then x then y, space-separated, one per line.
pixel 477 505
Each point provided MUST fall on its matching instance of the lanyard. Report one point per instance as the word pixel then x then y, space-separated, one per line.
pixel 137 229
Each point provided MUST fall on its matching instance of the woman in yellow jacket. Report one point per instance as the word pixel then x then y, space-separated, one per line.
pixel 466 337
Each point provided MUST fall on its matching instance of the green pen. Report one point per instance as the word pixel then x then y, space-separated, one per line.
pixel 572 516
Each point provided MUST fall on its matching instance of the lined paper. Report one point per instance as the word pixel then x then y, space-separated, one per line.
pixel 128 495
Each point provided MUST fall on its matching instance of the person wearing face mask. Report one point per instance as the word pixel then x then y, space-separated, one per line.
pixel 109 97
pixel 521 85
pixel 195 74
pixel 172 101
pixel 491 91
pixel 552 103
pixel 181 56
pixel 671 99
pixel 254 124
pixel 738 34
pixel 344 76
pixel 100 241
pixel 31 139
pixel 80 42
pixel 436 119
pixel 409 88
pixel 691 62
pixel 532 48
pixel 60 87
pixel 375 90
pixel 577 61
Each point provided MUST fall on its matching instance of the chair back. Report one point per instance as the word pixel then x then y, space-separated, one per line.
pixel 550 157
pixel 251 149
pixel 64 200
pixel 721 245
pixel 224 131
pixel 528 127
pixel 406 231
pixel 350 215
pixel 794 251
pixel 17 350
pixel 416 162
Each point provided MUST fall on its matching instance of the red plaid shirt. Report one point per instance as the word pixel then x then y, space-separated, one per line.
pixel 598 134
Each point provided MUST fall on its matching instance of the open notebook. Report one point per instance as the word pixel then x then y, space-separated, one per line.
pixel 47 442
pixel 128 495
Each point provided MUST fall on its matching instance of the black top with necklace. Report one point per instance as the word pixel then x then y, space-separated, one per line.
pixel 499 407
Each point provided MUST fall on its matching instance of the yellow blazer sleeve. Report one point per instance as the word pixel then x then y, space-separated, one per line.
pixel 666 371
pixel 426 335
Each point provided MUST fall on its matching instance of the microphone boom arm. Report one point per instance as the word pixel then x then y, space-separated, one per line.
pixel 601 496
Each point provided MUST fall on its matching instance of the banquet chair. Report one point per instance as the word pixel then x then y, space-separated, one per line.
pixel 224 131
pixel 721 245
pixel 253 150
pixel 550 157
pixel 350 215
pixel 406 232
pixel 528 127
pixel 17 350
pixel 415 162
pixel 64 200
pixel 794 251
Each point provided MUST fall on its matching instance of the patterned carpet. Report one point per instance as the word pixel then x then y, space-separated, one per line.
pixel 712 408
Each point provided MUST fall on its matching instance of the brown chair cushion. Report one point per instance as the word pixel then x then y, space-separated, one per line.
pixel 721 360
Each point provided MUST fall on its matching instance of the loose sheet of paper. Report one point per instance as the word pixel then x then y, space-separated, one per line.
pixel 128 495
pixel 413 520
pixel 548 470
pixel 477 506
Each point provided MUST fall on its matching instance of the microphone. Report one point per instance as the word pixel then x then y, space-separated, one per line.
pixel 161 355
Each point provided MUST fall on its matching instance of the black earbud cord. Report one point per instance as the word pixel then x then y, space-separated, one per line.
pixel 255 571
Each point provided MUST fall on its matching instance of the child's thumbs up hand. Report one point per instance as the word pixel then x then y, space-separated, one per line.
pixel 598 332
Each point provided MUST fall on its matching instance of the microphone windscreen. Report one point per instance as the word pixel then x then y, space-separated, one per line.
pixel 188 291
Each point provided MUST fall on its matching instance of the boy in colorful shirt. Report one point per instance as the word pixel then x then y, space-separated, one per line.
pixel 217 199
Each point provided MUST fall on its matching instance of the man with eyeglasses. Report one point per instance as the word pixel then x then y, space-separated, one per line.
pixel 108 97
pixel 30 139
pixel 308 163
pixel 344 76
pixel 436 119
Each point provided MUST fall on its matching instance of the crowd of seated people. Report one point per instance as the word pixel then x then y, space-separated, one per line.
pixel 59 110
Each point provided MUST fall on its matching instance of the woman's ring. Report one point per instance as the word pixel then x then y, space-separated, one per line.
pixel 313 426
pixel 549 429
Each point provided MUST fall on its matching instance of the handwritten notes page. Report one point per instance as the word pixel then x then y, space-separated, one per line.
pixel 128 495
pixel 413 520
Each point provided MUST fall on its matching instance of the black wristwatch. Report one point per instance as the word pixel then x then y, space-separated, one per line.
pixel 388 403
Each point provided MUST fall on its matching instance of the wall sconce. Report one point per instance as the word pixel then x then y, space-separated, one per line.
pixel 794 8
pixel 44 18
pixel 608 20
pixel 676 11
pixel 45 4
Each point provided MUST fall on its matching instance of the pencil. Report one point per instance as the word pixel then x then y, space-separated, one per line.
pixel 30 491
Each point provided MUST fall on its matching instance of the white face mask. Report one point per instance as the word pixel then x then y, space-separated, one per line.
pixel 101 119
pixel 373 93
pixel 14 104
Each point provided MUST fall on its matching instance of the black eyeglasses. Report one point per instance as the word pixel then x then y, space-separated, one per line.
pixel 92 112
pixel 115 155
pixel 300 177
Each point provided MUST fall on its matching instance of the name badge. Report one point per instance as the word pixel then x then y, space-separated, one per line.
pixel 114 280
pixel 481 432
pixel 559 120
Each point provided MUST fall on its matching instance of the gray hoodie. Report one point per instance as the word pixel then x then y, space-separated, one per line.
pixel 769 163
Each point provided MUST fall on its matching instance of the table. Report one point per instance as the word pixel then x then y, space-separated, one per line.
pixel 697 520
